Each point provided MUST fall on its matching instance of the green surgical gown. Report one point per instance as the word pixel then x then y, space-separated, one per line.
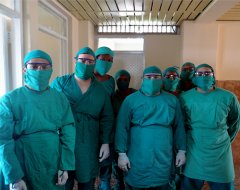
pixel 148 127
pixel 93 118
pixel 109 85
pixel 212 122
pixel 37 136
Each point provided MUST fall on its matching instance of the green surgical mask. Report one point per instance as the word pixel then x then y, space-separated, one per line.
pixel 37 79
pixel 151 87
pixel 186 75
pixel 102 67
pixel 170 85
pixel 84 71
pixel 204 82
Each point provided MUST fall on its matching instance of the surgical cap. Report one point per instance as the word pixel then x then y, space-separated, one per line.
pixel 104 50
pixel 152 70
pixel 170 69
pixel 85 50
pixel 122 72
pixel 204 65
pixel 34 54
pixel 188 63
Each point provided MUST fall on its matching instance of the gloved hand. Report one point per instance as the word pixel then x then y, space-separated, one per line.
pixel 180 158
pixel 19 185
pixel 123 162
pixel 62 177
pixel 104 152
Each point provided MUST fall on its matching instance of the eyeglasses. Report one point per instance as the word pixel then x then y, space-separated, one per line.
pixel 205 73
pixel 86 61
pixel 152 76
pixel 171 76
pixel 38 66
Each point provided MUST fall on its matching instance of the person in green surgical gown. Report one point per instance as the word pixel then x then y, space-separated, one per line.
pixel 37 133
pixel 104 60
pixel 93 114
pixel 186 75
pixel 171 80
pixel 149 126
pixel 212 122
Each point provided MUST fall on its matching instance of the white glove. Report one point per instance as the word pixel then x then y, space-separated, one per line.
pixel 20 185
pixel 104 152
pixel 123 162
pixel 180 158
pixel 62 177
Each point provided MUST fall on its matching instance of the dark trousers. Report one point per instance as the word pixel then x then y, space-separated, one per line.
pixel 117 175
pixel 196 184
pixel 81 186
pixel 162 187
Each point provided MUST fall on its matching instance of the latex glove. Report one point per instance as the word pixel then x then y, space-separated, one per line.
pixel 20 185
pixel 62 177
pixel 104 152
pixel 123 162
pixel 180 158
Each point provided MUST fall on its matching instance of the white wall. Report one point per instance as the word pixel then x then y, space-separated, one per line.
pixel 215 43
pixel 162 50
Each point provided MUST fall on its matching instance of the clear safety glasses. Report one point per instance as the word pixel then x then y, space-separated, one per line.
pixel 171 76
pixel 205 73
pixel 38 66
pixel 86 61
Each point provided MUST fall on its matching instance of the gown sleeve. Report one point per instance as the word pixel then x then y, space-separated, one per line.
pixel 9 164
pixel 67 138
pixel 233 119
pixel 123 128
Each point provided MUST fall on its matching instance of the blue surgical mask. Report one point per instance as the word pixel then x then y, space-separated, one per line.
pixel 204 82
pixel 170 85
pixel 151 87
pixel 102 67
pixel 84 71
pixel 37 79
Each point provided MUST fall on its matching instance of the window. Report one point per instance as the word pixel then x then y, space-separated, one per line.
pixel 122 44
pixel 10 45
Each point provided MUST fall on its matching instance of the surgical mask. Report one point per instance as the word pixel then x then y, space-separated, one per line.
pixel 37 79
pixel 170 85
pixel 204 82
pixel 102 67
pixel 84 71
pixel 151 86
pixel 122 85
pixel 186 75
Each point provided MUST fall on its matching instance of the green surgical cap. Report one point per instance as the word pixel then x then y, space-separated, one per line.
pixel 85 50
pixel 188 63
pixel 152 69
pixel 171 69
pixel 122 72
pixel 34 54
pixel 204 65
pixel 104 50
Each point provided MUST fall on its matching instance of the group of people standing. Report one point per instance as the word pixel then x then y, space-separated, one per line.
pixel 79 127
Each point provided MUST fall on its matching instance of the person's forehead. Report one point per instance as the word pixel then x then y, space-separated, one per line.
pixel 105 56
pixel 152 74
pixel 171 73
pixel 88 56
pixel 123 77
pixel 187 66
pixel 38 60
pixel 204 69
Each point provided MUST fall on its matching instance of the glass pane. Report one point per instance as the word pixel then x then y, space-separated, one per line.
pixel 51 20
pixel 8 3
pixel 53 49
pixel 122 44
